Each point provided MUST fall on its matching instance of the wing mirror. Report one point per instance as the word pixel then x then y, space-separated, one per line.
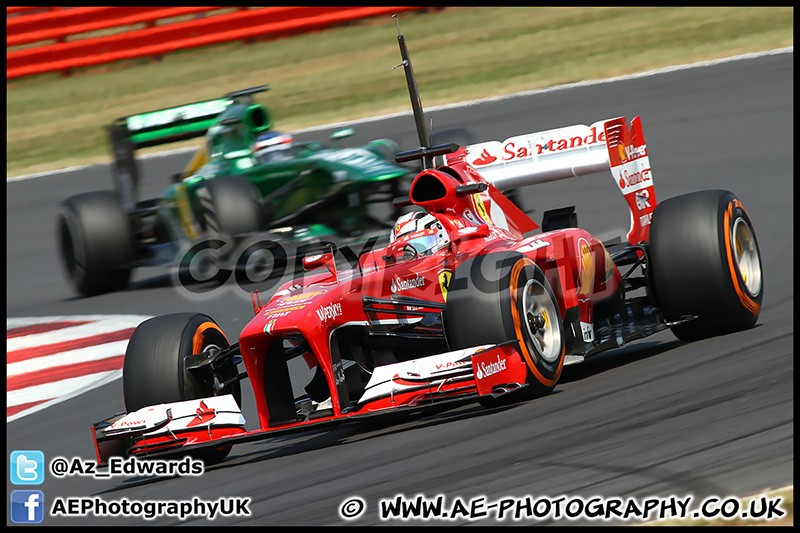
pixel 313 262
pixel 341 134
pixel 473 232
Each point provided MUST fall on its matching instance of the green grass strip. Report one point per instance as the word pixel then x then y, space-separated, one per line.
pixel 346 73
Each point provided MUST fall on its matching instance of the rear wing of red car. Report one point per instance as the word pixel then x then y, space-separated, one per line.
pixel 161 126
pixel 574 151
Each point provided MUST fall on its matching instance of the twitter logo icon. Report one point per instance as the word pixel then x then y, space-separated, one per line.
pixel 27 467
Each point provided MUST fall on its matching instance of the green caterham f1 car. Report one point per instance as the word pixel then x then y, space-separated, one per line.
pixel 245 178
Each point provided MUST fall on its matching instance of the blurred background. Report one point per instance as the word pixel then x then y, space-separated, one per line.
pixel 71 71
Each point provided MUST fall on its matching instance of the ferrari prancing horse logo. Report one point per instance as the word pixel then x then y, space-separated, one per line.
pixel 480 208
pixel 444 281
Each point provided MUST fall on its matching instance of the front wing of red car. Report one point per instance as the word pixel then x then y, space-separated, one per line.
pixel 185 426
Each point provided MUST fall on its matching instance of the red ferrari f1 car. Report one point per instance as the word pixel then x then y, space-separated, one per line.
pixel 460 303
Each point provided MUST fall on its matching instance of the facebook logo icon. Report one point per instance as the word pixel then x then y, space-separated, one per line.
pixel 27 467
pixel 27 506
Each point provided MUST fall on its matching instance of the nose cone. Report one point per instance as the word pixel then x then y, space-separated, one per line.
pixel 306 312
pixel 253 330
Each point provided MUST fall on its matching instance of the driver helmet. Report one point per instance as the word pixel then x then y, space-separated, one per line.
pixel 420 231
pixel 272 140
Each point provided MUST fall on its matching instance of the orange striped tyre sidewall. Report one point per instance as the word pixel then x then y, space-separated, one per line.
pixel 544 360
pixel 486 304
pixel 704 261
pixel 154 370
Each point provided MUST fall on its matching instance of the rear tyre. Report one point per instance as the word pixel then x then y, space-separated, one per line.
pixel 229 205
pixel 705 262
pixel 502 296
pixel 154 370
pixel 96 242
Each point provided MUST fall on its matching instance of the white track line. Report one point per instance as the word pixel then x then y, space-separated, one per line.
pixel 70 388
pixel 587 83
pixel 71 345
pixel 19 322
pixel 72 333
pixel 71 357
pixel 52 390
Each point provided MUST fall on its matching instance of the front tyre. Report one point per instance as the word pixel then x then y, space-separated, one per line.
pixel 705 262
pixel 502 296
pixel 154 371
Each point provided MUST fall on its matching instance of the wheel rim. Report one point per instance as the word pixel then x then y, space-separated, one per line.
pixel 540 316
pixel 745 251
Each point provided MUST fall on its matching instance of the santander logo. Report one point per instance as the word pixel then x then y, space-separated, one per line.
pixel 534 145
pixel 487 369
pixel 559 141
pixel 399 285
pixel 629 179
pixel 485 158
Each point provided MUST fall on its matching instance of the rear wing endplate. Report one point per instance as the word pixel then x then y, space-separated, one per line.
pixel 569 152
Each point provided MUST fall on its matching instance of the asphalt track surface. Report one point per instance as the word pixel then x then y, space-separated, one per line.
pixel 658 417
